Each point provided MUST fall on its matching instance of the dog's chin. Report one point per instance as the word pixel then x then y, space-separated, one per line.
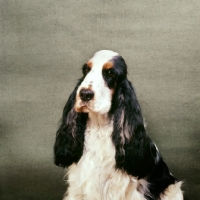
pixel 82 107
pixel 92 107
pixel 85 109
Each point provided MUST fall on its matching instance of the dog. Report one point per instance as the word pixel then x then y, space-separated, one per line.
pixel 102 140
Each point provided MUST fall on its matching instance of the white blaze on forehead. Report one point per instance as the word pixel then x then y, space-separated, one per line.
pixel 94 77
pixel 102 57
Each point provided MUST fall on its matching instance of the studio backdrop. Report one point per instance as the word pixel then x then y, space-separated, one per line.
pixel 43 45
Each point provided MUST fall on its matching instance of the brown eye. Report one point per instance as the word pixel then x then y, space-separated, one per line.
pixel 109 73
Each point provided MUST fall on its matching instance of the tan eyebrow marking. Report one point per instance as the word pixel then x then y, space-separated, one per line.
pixel 89 64
pixel 108 65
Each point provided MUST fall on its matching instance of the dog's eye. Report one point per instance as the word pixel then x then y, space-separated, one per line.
pixel 86 69
pixel 109 73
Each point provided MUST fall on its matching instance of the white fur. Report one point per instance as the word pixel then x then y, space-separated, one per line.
pixel 94 177
pixel 173 192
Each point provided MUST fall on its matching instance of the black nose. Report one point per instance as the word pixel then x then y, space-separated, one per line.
pixel 86 94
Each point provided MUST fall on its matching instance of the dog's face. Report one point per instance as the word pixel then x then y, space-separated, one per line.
pixel 101 74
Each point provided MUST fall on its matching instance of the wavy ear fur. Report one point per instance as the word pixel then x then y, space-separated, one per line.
pixel 69 142
pixel 134 150
pixel 136 154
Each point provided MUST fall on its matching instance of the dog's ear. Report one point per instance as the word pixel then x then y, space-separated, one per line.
pixel 134 149
pixel 69 142
pixel 128 120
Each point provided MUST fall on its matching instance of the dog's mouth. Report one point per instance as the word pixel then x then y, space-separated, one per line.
pixel 82 107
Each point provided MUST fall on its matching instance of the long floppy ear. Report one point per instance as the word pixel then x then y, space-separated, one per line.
pixel 69 142
pixel 133 147
pixel 136 154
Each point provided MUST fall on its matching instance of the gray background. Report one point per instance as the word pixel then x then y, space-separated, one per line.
pixel 43 45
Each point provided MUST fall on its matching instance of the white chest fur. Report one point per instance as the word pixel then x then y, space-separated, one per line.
pixel 94 177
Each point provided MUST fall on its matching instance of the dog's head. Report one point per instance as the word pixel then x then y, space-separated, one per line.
pixel 101 74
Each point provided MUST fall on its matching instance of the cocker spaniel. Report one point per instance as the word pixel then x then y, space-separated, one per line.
pixel 103 143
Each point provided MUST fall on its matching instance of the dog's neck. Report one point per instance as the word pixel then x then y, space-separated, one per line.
pixel 99 120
